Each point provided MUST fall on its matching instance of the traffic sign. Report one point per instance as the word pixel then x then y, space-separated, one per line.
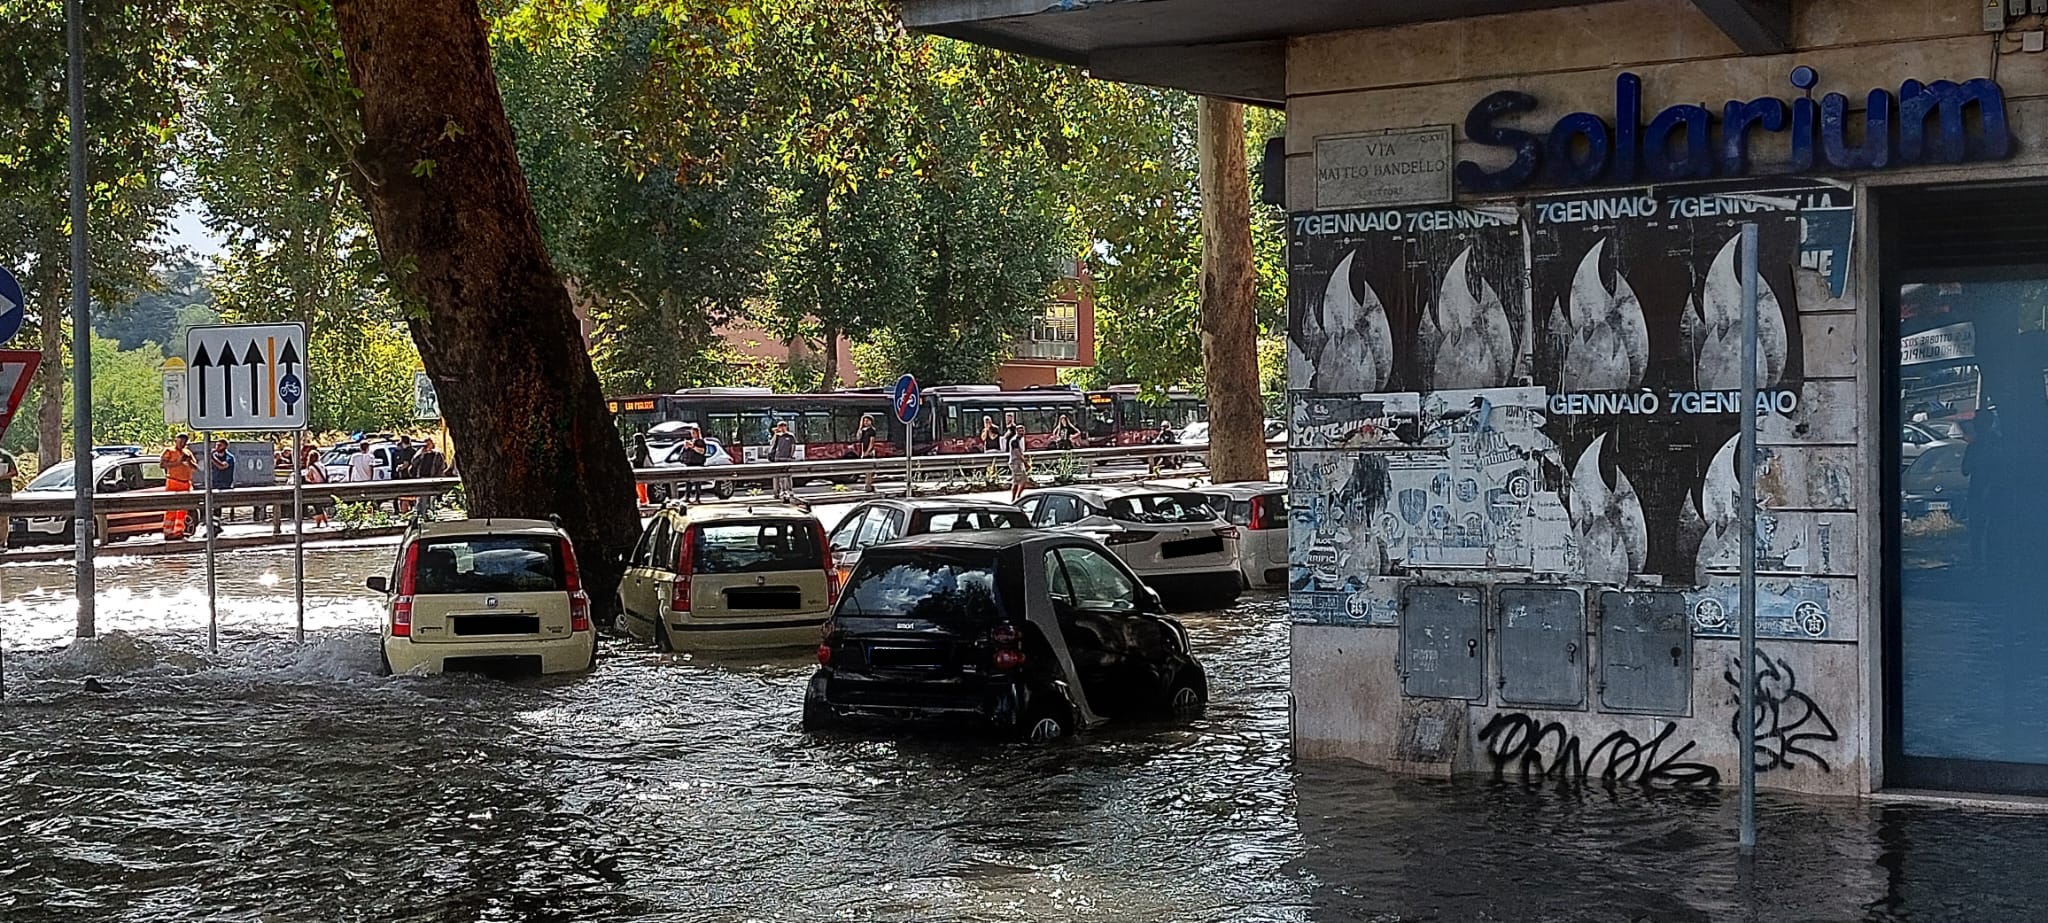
pixel 426 402
pixel 247 377
pixel 176 404
pixel 904 398
pixel 17 369
pixel 13 305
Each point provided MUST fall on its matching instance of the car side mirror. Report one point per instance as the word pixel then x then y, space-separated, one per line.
pixel 380 584
pixel 1151 600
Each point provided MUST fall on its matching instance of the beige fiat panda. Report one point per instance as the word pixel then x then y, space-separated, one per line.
pixel 729 577
pixel 486 594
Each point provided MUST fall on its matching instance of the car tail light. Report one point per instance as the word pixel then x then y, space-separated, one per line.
pixel 1009 654
pixel 579 600
pixel 686 560
pixel 833 575
pixel 1264 516
pixel 401 604
pixel 1008 658
pixel 824 654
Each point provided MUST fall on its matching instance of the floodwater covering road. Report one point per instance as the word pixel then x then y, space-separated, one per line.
pixel 273 782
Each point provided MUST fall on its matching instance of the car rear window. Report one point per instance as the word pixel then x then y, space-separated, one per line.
pixel 971 520
pixel 489 564
pixel 756 546
pixel 1161 508
pixel 941 590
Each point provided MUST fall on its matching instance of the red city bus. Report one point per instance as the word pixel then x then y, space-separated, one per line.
pixel 1122 415
pixel 743 418
pixel 949 423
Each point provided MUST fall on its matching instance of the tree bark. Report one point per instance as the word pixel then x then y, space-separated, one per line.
pixel 1230 339
pixel 829 378
pixel 493 321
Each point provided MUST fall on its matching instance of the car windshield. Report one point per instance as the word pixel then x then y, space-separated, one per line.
pixel 1161 508
pixel 941 590
pixel 970 520
pixel 58 478
pixel 489 564
pixel 757 546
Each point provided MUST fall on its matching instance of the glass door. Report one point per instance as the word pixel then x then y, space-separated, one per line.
pixel 1968 651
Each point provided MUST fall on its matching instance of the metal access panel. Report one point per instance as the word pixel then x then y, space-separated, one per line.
pixel 1645 652
pixel 1443 642
pixel 1542 638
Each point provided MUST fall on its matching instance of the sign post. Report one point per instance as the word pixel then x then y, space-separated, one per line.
pixel 1745 469
pixel 247 378
pixel 904 399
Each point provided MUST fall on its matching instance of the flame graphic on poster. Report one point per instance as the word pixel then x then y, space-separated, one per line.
pixel 1606 343
pixel 1466 341
pixel 1614 542
pixel 1720 508
pixel 1713 328
pixel 1357 353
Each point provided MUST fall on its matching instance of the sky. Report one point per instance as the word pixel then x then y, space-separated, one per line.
pixel 188 230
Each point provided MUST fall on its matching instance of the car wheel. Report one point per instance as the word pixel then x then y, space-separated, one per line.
pixel 661 641
pixel 817 715
pixel 383 661
pixel 723 490
pixel 1045 724
pixel 1186 698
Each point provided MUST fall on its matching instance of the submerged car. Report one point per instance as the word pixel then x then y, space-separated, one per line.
pixel 486 593
pixel 1259 510
pixel 1036 634
pixel 881 521
pixel 1169 535
pixel 729 577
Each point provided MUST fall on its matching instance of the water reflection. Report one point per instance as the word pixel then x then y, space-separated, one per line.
pixel 280 782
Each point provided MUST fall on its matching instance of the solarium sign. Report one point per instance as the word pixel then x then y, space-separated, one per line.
pixel 1939 123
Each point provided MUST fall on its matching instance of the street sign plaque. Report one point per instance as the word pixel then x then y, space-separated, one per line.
pixel 247 377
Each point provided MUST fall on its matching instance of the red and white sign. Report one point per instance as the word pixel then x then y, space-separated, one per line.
pixel 17 370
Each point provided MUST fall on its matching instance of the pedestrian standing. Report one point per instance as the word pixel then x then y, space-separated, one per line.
pixel 180 467
pixel 695 453
pixel 864 443
pixel 1020 467
pixel 988 440
pixel 1065 433
pixel 8 469
pixel 402 457
pixel 221 476
pixel 362 466
pixel 782 450
pixel 428 462
pixel 643 458
pixel 311 472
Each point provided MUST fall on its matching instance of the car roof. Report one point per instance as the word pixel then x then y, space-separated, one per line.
pixel 1106 492
pixel 714 512
pixel 977 540
pixel 1244 490
pixel 942 503
pixel 455 527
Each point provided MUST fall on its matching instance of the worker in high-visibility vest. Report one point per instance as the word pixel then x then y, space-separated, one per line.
pixel 179 467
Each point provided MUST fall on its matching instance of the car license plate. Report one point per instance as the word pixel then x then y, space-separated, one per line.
pixel 1937 506
pixel 1193 546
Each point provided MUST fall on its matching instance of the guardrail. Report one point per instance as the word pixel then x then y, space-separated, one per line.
pixel 963 468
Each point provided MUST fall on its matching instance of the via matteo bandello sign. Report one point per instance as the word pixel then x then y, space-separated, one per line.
pixel 1410 166
pixel 1942 122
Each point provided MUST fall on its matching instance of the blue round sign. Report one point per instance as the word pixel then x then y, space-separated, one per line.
pixel 13 305
pixel 903 399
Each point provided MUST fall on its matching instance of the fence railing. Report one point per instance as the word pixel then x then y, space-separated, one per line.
pixel 940 469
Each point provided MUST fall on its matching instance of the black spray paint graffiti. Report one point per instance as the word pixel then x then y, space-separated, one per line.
pixel 1786 718
pixel 1539 750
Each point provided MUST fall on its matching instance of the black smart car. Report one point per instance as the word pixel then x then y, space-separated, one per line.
pixel 1035 633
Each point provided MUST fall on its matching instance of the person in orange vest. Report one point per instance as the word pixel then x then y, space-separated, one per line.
pixel 179 467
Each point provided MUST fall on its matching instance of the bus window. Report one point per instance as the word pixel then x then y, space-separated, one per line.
pixel 816 428
pixel 725 427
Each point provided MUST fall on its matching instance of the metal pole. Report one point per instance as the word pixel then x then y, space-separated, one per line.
pixel 1745 468
pixel 909 460
pixel 299 527
pixel 81 326
pixel 212 531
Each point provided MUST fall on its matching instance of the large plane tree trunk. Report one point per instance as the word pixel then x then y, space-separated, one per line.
pixel 1230 333
pixel 496 330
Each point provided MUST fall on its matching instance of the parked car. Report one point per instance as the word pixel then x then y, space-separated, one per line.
pixel 335 460
pixel 113 474
pixel 715 457
pixel 1034 633
pixel 1169 535
pixel 880 521
pixel 725 577
pixel 1915 439
pixel 486 593
pixel 1259 511
pixel 1935 482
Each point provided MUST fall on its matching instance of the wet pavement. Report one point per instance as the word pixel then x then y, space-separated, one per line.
pixel 274 782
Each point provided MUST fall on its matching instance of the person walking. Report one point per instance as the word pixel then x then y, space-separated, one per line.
pixel 1065 434
pixel 782 450
pixel 643 458
pixel 1020 467
pixel 310 472
pixel 988 440
pixel 180 467
pixel 695 453
pixel 220 475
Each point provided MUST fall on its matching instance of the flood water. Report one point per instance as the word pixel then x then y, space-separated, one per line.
pixel 274 782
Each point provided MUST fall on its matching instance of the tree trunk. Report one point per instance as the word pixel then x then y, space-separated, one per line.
pixel 1230 338
pixel 830 377
pixel 497 333
pixel 51 291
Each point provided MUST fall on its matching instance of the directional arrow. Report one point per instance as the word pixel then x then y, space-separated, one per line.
pixel 226 363
pixel 200 363
pixel 289 389
pixel 254 359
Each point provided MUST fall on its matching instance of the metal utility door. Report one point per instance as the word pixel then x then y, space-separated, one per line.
pixel 1542 633
pixel 1443 642
pixel 1645 652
